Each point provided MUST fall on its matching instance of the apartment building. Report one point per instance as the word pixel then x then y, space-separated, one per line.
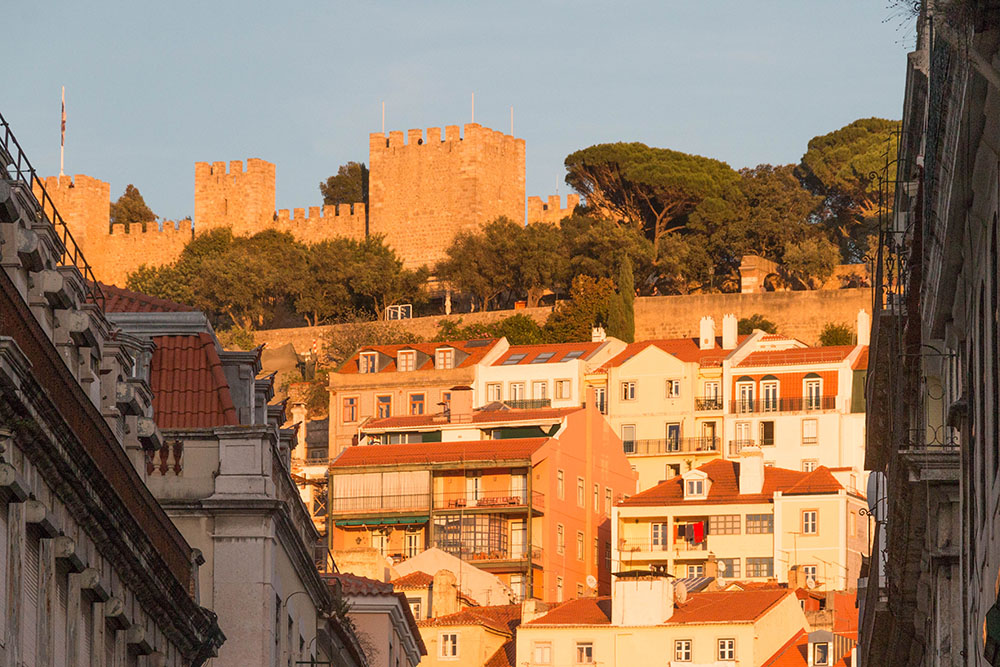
pixel 476 636
pixel 740 520
pixel 533 509
pixel 650 620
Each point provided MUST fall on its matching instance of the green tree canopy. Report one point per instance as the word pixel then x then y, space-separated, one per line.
pixel 836 334
pixel 347 186
pixel 131 209
pixel 517 329
pixel 747 325
pixel 588 306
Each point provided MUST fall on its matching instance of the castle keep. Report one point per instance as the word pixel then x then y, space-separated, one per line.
pixel 424 188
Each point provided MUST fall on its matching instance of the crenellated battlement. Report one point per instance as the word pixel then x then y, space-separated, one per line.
pixel 322 214
pixel 551 210
pixel 170 227
pixel 471 133
pixel 254 166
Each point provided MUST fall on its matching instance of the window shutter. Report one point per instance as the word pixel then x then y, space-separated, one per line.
pixel 4 562
pixel 87 652
pixel 109 643
pixel 29 614
pixel 62 610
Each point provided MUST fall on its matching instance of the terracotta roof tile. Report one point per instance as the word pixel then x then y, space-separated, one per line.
pixel 120 300
pixel 797 355
pixel 352 584
pixel 795 653
pixel 582 611
pixel 725 486
pixel 506 656
pixel 502 618
pixel 475 349
pixel 439 452
pixel 480 417
pixel 861 363
pixel 413 580
pixel 190 389
pixel 685 349
pixel 558 350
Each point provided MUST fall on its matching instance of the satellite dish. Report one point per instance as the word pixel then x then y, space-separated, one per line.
pixel 390 561
pixel 680 592
pixel 591 581
pixel 723 567
pixel 811 581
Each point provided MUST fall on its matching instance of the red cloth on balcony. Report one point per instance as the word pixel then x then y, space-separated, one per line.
pixel 699 532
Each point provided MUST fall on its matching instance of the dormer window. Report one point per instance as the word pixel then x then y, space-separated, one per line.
pixel 694 487
pixel 444 359
pixel 821 654
pixel 368 362
pixel 406 360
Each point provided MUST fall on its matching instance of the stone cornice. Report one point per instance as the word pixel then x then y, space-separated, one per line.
pixel 147 325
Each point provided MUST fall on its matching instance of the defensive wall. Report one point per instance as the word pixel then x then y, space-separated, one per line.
pixel 550 211
pixel 801 315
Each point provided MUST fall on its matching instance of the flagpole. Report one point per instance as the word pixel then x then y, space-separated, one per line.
pixel 62 135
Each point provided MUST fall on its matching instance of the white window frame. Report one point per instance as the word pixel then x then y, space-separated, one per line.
pixel 695 570
pixel 581 492
pixel 745 397
pixel 406 361
pixel 494 392
pixel 810 522
pixel 694 488
pixel 541 653
pixel 368 362
pixel 560 538
pixel 444 358
pixel 817 647
pixel 543 385
pixel 807 426
pixel 812 400
pixel 581 545
pixel 808 465
pixel 727 649
pixel 559 589
pixel 448 646
pixel 770 397
pixel 628 390
pixel 682 650
pixel 584 654
pixel 515 391
pixel 564 389
pixel 673 388
pixel 601 398
pixel 561 484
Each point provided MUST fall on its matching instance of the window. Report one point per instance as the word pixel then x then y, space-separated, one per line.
pixel 628 391
pixel 513 359
pixel 573 354
pixel 673 389
pixel 597 551
pixel 766 433
pixel 759 524
pixel 674 437
pixel 658 535
pixel 744 393
pixel 446 400
pixel 584 653
pixel 368 362
pixel 412 545
pixel 812 394
pixel 444 359
pixel 414 607
pixel 682 650
pixel 821 654
pixel 597 497
pixel 760 567
pixel 696 570
pixel 416 404
pixel 517 586
pixel 695 487
pixel 563 389
pixel 493 392
pixel 581 492
pixel 743 438
pixel 727 649
pixel 607 555
pixel 561 484
pixel 810 524
pixel 541 653
pixel 579 545
pixel 448 644
pixel 600 397
pixel 607 500
pixel 406 361
pixel 350 409
pixel 729 567
pixel 809 571
pixel 628 438
pixel 516 391
pixel 543 357
pixel 724 524
pixel 559 589
pixel 379 542
pixel 808 465
pixel 540 389
pixel 383 406
pixel 579 590
pixel 560 539
pixel 809 436
pixel 473 486
pixel 769 391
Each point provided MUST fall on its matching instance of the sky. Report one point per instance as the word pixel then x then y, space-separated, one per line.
pixel 152 88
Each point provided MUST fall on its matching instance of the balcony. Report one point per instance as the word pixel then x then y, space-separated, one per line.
pixel 672 446
pixel 708 403
pixel 513 499
pixel 529 403
pixel 404 502
pixel 736 445
pixel 489 556
pixel 669 549
pixel 742 406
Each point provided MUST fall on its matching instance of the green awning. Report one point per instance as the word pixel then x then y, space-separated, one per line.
pixel 381 521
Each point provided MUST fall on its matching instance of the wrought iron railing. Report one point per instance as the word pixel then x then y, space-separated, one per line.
pixel 492 499
pixel 797 404
pixel 476 553
pixel 736 445
pixel 671 445
pixel 18 168
pixel 388 502
pixel 708 403
pixel 628 544
pixel 529 403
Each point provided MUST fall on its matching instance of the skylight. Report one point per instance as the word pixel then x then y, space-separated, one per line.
pixel 573 354
pixel 542 358
pixel 478 343
pixel 514 359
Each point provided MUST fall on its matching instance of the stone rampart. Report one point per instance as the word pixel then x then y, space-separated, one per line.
pixel 551 211
pixel 322 222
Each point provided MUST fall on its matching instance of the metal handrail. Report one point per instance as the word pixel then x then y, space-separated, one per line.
pixel 796 404
pixel 671 445
pixel 19 168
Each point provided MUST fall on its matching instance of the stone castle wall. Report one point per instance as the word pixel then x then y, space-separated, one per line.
pixel 423 191
pixel 551 211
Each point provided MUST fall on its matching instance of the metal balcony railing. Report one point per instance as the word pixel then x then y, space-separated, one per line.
pixel 529 403
pixel 390 503
pixel 633 545
pixel 491 499
pixel 798 404
pixel 671 446
pixel 480 553
pixel 16 167
pixel 736 445
pixel 708 403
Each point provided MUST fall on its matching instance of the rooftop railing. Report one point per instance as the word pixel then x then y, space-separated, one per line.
pixel 529 403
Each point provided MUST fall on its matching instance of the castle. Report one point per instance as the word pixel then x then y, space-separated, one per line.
pixel 423 191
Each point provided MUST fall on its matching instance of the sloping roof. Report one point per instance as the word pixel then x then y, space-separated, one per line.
pixel 861 363
pixel 190 389
pixel 725 485
pixel 795 653
pixel 684 349
pixel 480 417
pixel 439 452
pixel 558 350
pixel 353 584
pixel 716 607
pixel 475 349
pixel 120 300
pixel 506 655
pixel 503 618
pixel 413 580
pixel 797 355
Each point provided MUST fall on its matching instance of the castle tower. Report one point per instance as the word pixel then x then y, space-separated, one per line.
pixel 422 192
pixel 242 200
pixel 85 205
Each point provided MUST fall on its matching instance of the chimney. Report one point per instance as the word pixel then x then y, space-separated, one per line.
pixel 729 331
pixel 444 593
pixel 598 335
pixel 864 327
pixel 532 609
pixel 751 470
pixel 795 578
pixel 706 333
pixel 711 566
pixel 641 601
pixel 461 405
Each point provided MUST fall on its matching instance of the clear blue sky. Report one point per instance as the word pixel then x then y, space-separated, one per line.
pixel 151 88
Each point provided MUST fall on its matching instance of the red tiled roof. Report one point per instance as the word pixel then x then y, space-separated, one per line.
pixel 685 349
pixel 502 618
pixel 352 584
pixel 506 656
pixel 725 486
pixel 861 363
pixel 797 355
pixel 120 300
pixel 559 352
pixel 476 351
pixel 795 653
pixel 480 417
pixel 439 452
pixel 190 389
pixel 716 607
pixel 413 580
